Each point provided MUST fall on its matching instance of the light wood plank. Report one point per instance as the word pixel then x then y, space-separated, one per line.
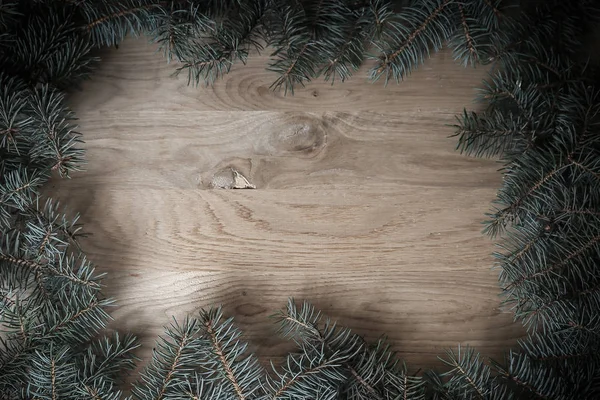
pixel 361 205
pixel 137 78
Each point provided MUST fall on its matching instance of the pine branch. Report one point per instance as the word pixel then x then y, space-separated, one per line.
pixel 420 27
pixel 531 378
pixel 558 265
pixel 208 48
pixel 91 316
pixel 118 14
pixel 541 120
pixel 52 375
pixel 478 29
pixel 346 51
pixel 373 371
pixel 298 59
pixel 305 374
pixel 21 262
pixel 226 356
pixel 172 361
pixel 467 374
pixel 107 23
pixel 390 58
pixel 470 44
pixel 106 360
pixel 223 360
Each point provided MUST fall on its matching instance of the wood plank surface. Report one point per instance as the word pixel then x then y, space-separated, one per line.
pixel 361 204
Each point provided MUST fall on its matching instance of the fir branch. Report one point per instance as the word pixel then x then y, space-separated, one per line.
pixel 519 370
pixel 52 374
pixel 408 41
pixel 175 357
pixel 510 209
pixel 53 379
pixel 226 355
pixel 107 359
pixel 67 322
pixel 305 374
pixel 470 43
pixel 119 14
pixel 209 47
pixel 494 8
pixel 424 29
pixel 21 262
pixel 171 368
pixel 366 384
pixel 556 266
pixel 528 188
pixel 583 168
pixel 224 363
pixel 541 120
pixel 465 367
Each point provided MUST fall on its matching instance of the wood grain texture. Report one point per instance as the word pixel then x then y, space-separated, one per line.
pixel 361 205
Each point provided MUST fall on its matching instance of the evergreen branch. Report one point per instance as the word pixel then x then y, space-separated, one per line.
pixel 469 376
pixel 584 168
pixel 53 379
pixel 408 41
pixel 567 211
pixel 303 325
pixel 21 262
pixel 523 251
pixel 93 306
pixel 525 385
pixel 470 381
pixel 50 219
pixel 538 62
pixel 494 9
pixel 174 359
pixel 208 48
pixel 591 290
pixel 465 27
pixel 224 363
pixel 535 187
pixel 47 269
pixel 404 53
pixel 541 120
pixel 107 359
pixel 455 362
pixel 286 74
pixel 226 360
pixel 383 16
pixel 41 287
pixel 496 133
pixel 519 370
pixel 173 365
pixel 556 266
pixel 305 374
pixel 348 56
pixel 366 384
pixel 52 375
pixel 118 14
pixel 292 380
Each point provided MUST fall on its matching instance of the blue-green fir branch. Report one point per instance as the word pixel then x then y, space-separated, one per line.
pixel 540 118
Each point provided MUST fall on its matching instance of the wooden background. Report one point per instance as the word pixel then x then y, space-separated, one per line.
pixel 361 205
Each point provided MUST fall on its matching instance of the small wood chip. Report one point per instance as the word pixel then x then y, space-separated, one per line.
pixel 240 181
